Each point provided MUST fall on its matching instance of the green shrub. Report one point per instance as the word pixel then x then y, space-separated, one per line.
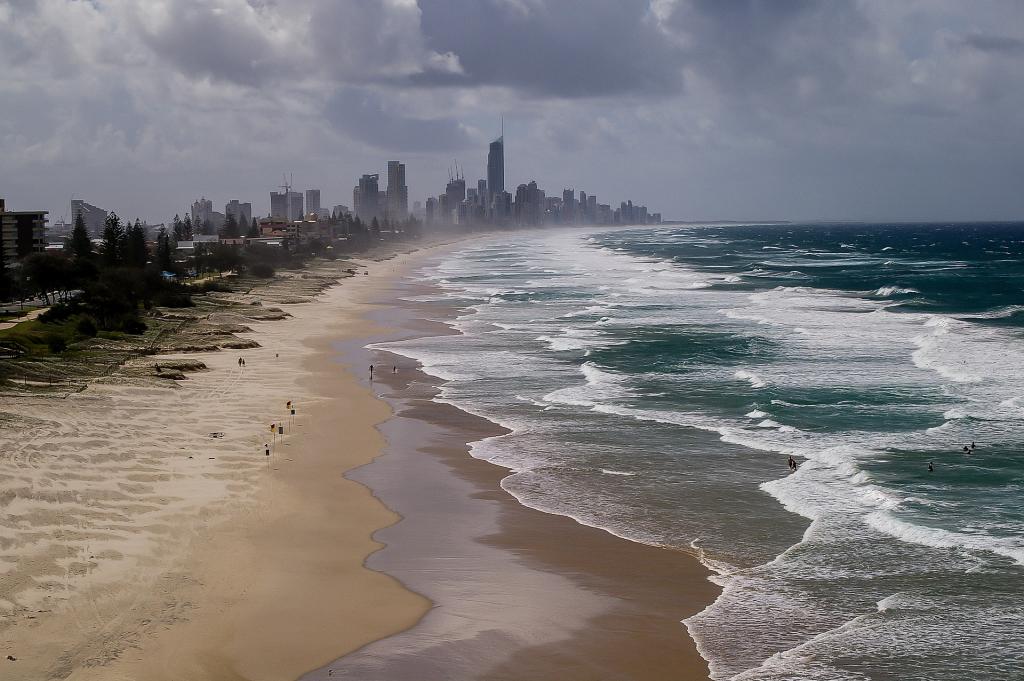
pixel 57 344
pixel 87 327
pixel 57 313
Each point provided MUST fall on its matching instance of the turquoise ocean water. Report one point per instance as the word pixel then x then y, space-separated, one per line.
pixel 656 380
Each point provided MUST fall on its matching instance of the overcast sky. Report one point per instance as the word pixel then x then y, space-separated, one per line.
pixel 703 109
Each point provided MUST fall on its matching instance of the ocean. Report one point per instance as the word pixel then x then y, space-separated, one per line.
pixel 656 380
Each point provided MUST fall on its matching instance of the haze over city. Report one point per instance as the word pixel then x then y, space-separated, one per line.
pixel 703 110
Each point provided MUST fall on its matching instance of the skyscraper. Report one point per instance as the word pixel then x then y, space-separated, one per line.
pixel 278 205
pixel 397 192
pixel 313 201
pixel 496 166
pixel 295 211
pixel 364 198
pixel 456 192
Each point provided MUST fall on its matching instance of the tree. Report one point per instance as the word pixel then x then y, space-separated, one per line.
pixel 254 229
pixel 187 231
pixel 179 229
pixel 135 252
pixel 230 229
pixel 46 273
pixel 81 245
pixel 164 251
pixel 111 250
pixel 207 228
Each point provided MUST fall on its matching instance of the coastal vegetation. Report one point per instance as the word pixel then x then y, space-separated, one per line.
pixel 121 296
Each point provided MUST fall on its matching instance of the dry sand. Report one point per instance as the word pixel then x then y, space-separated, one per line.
pixel 145 534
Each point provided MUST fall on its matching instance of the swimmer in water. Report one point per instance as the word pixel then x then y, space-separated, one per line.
pixel 931 468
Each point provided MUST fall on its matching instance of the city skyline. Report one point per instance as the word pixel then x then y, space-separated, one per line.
pixel 711 110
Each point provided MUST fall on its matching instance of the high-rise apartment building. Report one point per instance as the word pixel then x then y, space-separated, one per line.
pixel 92 217
pixel 21 232
pixel 455 192
pixel 242 212
pixel 278 205
pixel 365 198
pixel 313 201
pixel 201 211
pixel 397 192
pixel 295 211
pixel 496 166
pixel 568 206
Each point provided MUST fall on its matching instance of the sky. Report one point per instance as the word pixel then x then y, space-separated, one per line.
pixel 700 109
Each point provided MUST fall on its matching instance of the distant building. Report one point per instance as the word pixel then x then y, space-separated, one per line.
pixel 201 210
pixel 59 231
pixel 21 233
pixel 340 210
pixel 241 211
pixel 295 209
pixel 92 217
pixel 496 166
pixel 430 212
pixel 455 193
pixel 278 205
pixel 568 206
pixel 365 198
pixel 313 201
pixel 592 208
pixel 397 192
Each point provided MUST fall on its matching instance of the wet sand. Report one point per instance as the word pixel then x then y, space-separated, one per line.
pixel 517 593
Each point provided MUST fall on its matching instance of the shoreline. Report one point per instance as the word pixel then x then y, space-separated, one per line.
pixel 591 610
pixel 268 569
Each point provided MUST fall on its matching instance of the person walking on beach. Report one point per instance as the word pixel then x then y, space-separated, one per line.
pixel 239 362
pixel 394 369
pixel 371 372
pixel 266 447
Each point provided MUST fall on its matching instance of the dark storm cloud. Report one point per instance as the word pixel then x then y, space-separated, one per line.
pixel 568 48
pixel 770 48
pixel 204 42
pixel 362 115
pixel 997 44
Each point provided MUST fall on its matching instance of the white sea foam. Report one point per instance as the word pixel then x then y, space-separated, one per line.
pixel 885 521
pixel 756 414
pixel 622 473
pixel 752 378
pixel 886 291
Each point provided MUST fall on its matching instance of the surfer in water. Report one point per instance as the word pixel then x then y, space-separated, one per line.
pixel 792 463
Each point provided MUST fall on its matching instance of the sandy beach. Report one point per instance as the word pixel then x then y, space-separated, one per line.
pixel 147 536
